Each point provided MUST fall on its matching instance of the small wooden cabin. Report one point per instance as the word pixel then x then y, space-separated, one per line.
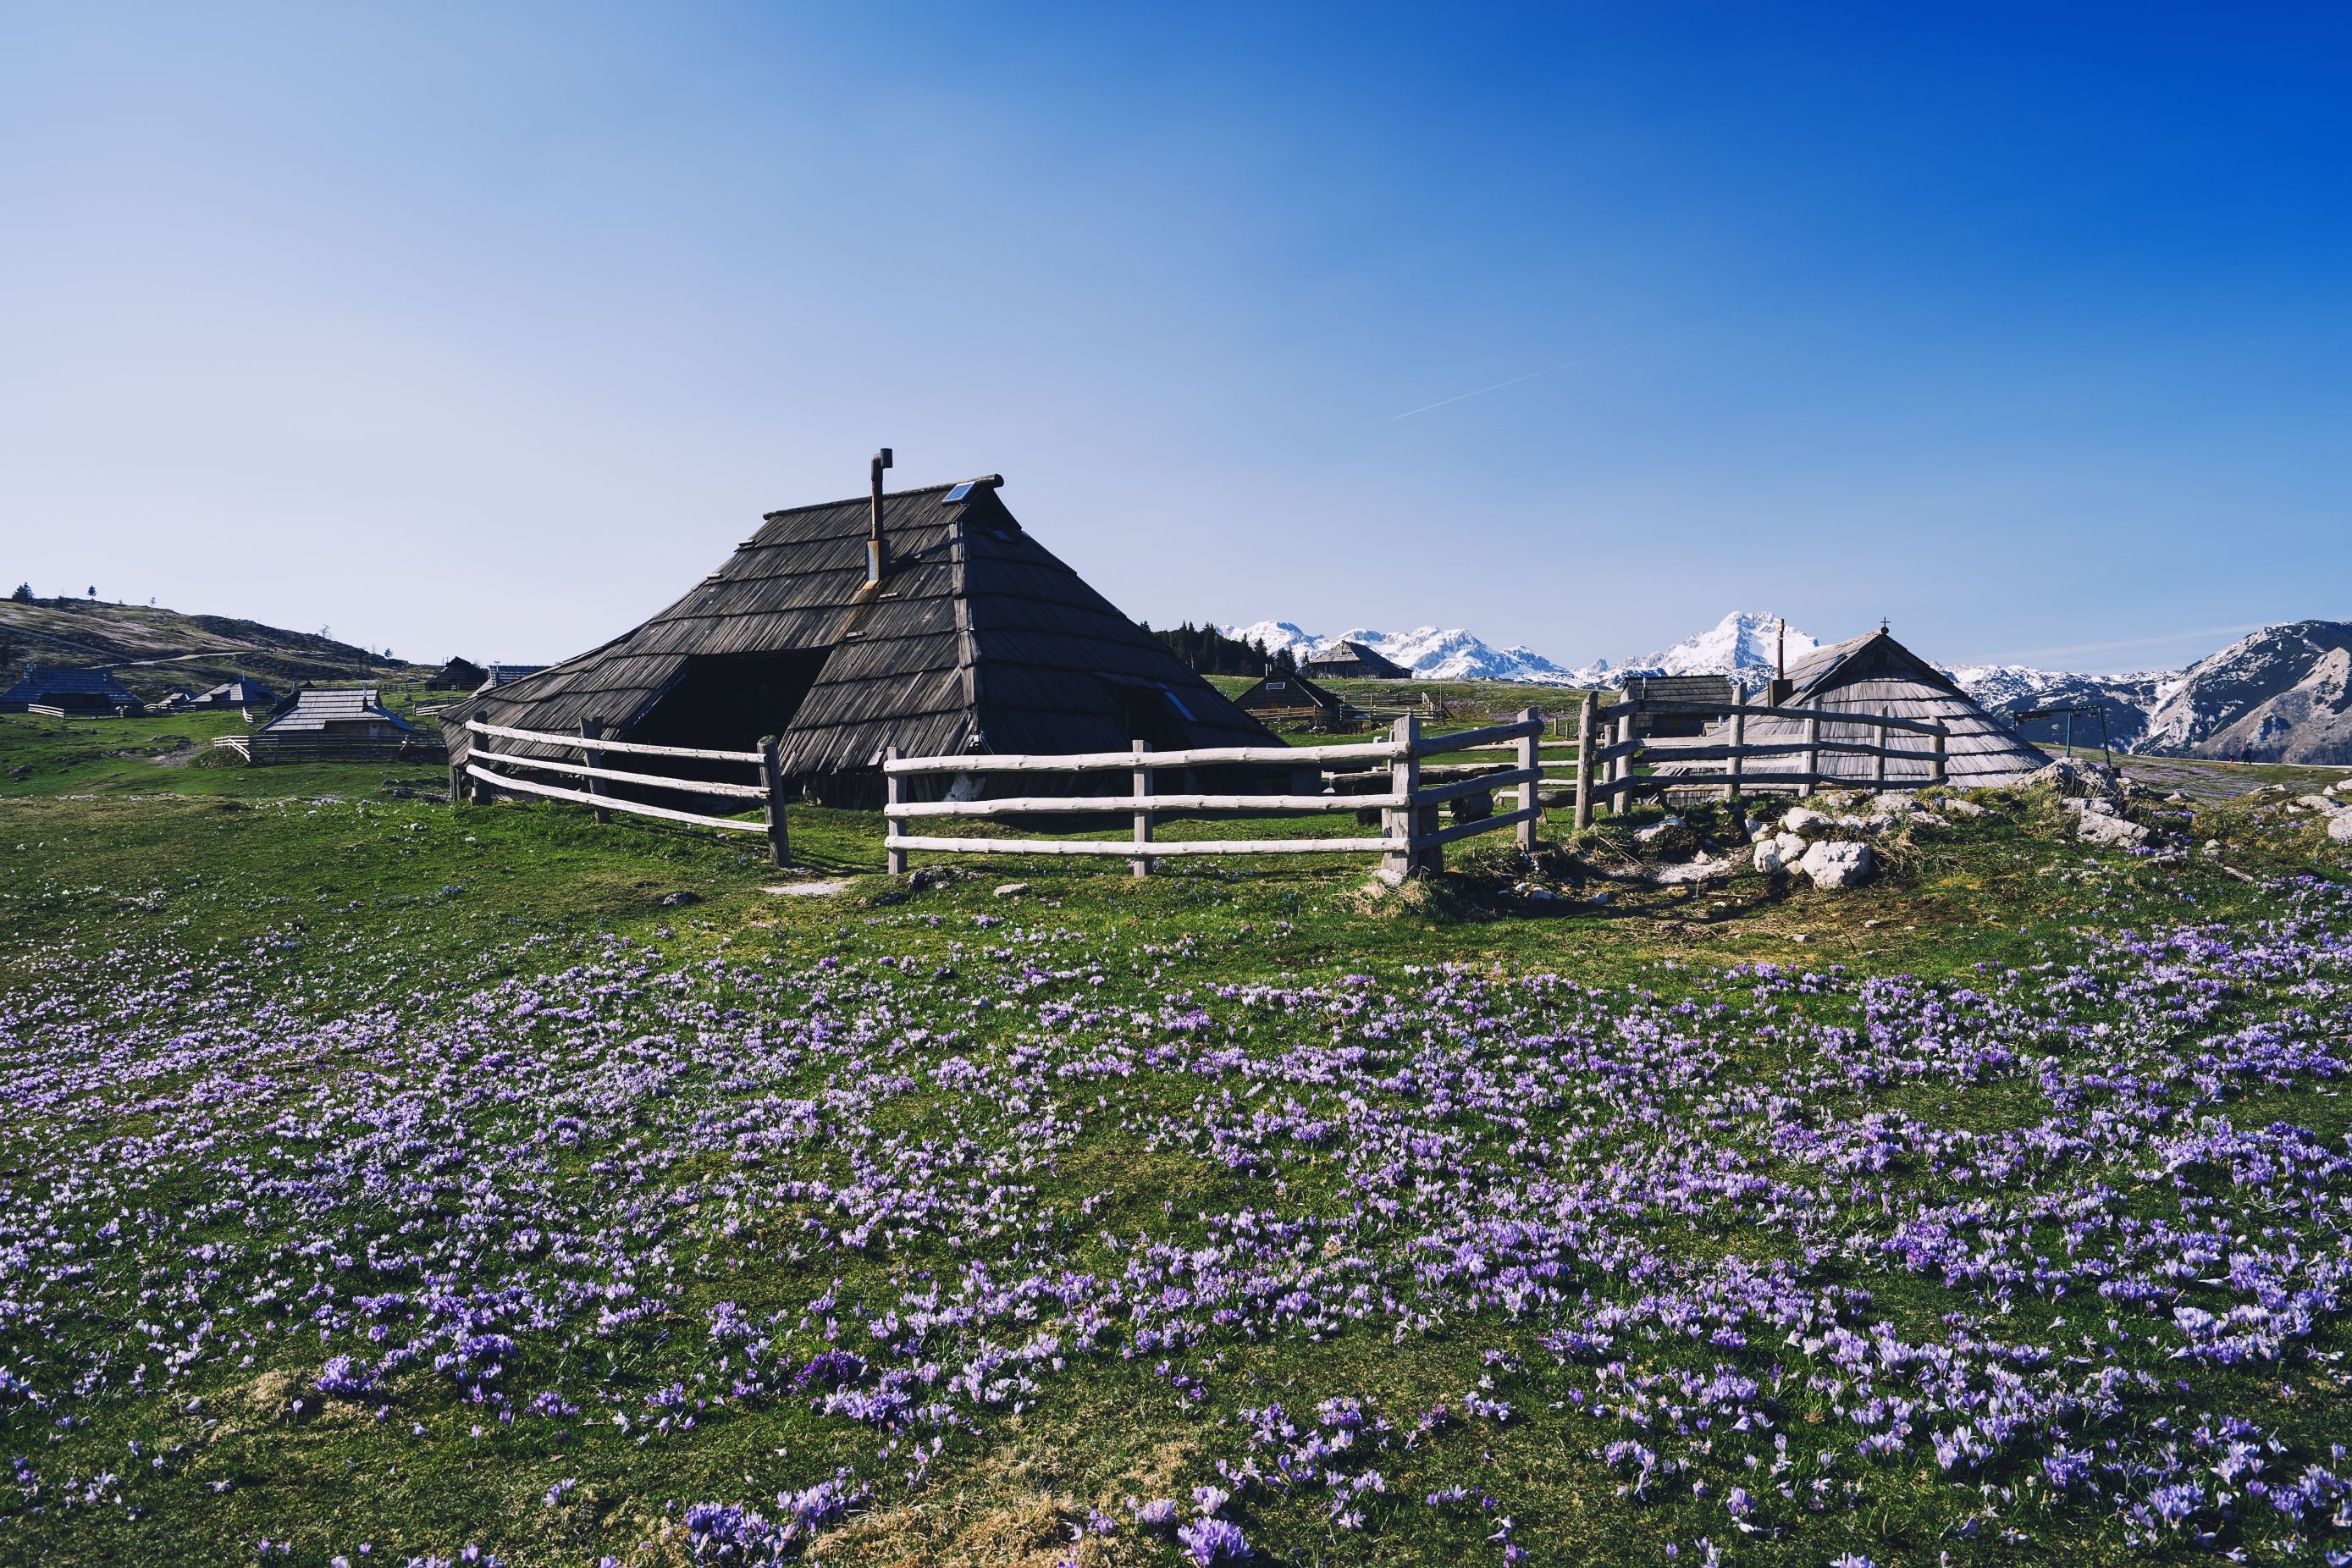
pixel 1346 660
pixel 84 691
pixel 1875 674
pixel 928 619
pixel 1294 699
pixel 337 724
pixel 457 675
pixel 240 693
pixel 1712 689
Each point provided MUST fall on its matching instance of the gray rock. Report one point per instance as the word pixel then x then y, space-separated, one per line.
pixel 2072 778
pixel 1956 807
pixel 1896 801
pixel 2322 803
pixel 1699 870
pixel 1805 822
pixel 1836 865
pixel 2339 827
pixel 1779 853
pixel 2099 827
pixel 1011 889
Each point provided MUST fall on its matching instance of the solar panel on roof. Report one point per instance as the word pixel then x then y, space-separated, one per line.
pixel 961 490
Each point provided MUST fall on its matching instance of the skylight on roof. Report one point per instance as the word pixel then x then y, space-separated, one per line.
pixel 961 490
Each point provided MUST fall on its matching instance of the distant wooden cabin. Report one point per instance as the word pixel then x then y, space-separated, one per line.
pixel 1293 698
pixel 82 691
pixel 1716 691
pixel 973 637
pixel 1875 674
pixel 458 674
pixel 1345 660
pixel 248 695
pixel 337 724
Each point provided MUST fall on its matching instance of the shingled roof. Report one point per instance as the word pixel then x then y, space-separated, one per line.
pixel 335 708
pixel 1875 674
pixel 66 687
pixel 977 639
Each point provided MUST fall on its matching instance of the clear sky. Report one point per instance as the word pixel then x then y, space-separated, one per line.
pixel 489 330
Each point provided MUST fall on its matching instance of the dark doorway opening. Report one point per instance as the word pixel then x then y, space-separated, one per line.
pixel 728 702
pixel 724 702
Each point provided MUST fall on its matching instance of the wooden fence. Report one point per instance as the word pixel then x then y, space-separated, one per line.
pixel 589 743
pixel 1604 764
pixel 1410 834
pixel 262 749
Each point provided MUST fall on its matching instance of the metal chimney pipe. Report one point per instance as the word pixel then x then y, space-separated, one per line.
pixel 875 556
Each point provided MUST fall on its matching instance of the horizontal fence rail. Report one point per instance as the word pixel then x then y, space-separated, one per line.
pixel 1409 835
pixel 469 781
pixel 1607 749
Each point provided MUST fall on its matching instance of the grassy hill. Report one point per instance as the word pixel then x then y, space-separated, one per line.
pixel 154 651
pixel 381 1179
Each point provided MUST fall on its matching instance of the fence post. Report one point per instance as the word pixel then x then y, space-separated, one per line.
pixel 1738 739
pixel 1142 865
pixel 594 729
pixel 456 784
pixel 1584 716
pixel 1813 753
pixel 894 792
pixel 1621 792
pixel 1935 766
pixel 1531 792
pixel 1399 823
pixel 772 774
pixel 1878 762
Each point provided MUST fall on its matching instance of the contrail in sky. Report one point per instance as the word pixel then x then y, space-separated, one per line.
pixel 2127 642
pixel 1564 364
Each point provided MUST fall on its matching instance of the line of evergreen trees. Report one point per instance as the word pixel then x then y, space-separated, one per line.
pixel 1208 651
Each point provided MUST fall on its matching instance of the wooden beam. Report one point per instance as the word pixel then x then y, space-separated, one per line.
pixel 1161 848
pixel 573 744
pixel 635 808
pixel 1122 761
pixel 655 780
pixel 1530 791
pixel 1585 711
pixel 771 777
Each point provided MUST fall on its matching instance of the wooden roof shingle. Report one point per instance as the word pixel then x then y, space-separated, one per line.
pixel 977 639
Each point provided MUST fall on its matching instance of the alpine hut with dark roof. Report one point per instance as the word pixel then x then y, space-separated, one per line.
pixel 1875 674
pixel 337 724
pixel 76 690
pixel 1344 660
pixel 1293 698
pixel 926 620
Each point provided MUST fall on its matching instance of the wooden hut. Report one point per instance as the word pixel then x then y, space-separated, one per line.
pixel 337 724
pixel 240 693
pixel 78 690
pixel 457 675
pixel 1877 675
pixel 1709 689
pixel 1343 660
pixel 926 620
pixel 1294 699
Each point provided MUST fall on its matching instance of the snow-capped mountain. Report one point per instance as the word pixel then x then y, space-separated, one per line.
pixel 2124 699
pixel 1433 653
pixel 1744 640
pixel 2284 693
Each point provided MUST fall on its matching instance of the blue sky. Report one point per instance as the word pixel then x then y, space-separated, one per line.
pixel 491 330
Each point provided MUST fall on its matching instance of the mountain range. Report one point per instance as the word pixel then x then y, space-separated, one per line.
pixel 2282 694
